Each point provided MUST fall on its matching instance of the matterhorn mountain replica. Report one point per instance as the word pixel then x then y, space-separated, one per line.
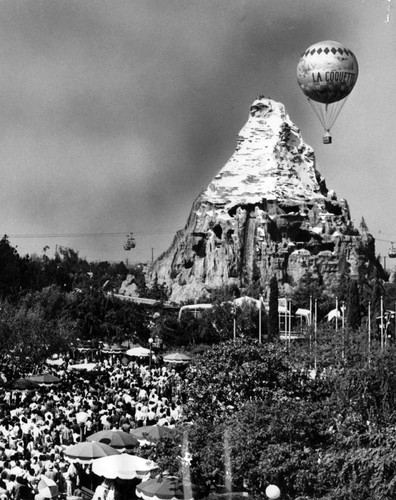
pixel 266 213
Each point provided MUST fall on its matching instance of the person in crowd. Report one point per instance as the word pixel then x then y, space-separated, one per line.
pixel 36 427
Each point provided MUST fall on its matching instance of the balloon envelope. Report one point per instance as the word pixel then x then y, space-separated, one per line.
pixel 327 72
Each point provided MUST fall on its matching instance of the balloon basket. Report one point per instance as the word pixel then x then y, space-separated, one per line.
pixel 327 139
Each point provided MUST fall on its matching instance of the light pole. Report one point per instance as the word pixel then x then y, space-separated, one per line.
pixel 151 346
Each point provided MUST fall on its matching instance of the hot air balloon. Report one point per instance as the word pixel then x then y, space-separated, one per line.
pixel 327 73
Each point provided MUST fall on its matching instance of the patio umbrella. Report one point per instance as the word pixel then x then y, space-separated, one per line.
pixel 47 488
pixel 153 433
pixel 119 440
pixel 22 384
pixel 123 466
pixel 177 357
pixel 55 361
pixel 138 352
pixel 88 451
pixel 44 379
pixel 165 488
pixel 87 367
pixel 113 349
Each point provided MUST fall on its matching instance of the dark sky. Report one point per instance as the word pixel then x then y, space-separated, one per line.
pixel 115 114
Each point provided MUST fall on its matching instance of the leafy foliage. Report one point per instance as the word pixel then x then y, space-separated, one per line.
pixel 30 335
pixel 326 437
pixel 231 373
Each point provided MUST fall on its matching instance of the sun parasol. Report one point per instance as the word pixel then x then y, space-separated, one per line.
pixel 165 488
pixel 87 367
pixel 152 433
pixel 177 357
pixel 138 352
pixel 113 349
pixel 88 451
pixel 47 488
pixel 22 384
pixel 123 466
pixel 55 361
pixel 44 378
pixel 119 440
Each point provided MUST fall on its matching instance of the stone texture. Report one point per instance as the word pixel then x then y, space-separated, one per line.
pixel 267 212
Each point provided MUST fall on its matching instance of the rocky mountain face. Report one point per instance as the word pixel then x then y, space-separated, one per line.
pixel 266 212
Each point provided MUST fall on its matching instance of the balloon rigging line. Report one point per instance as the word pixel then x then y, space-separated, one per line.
pixel 388 11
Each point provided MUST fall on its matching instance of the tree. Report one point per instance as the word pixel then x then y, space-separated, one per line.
pixel 10 273
pixel 246 405
pixel 158 291
pixel 231 373
pixel 273 315
pixel 27 332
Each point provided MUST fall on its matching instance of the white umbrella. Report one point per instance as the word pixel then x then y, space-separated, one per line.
pixel 138 352
pixel 123 466
pixel 177 357
pixel 55 361
pixel 47 488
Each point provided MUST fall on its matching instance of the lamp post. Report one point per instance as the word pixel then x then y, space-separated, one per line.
pixel 151 346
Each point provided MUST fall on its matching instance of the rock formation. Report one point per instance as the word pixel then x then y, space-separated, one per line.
pixel 267 212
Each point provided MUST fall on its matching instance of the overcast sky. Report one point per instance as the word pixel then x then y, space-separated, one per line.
pixel 115 114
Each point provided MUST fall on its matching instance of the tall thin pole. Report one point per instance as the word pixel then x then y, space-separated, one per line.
pixel 290 321
pixel 336 328
pixel 260 320
pixel 343 328
pixel 369 331
pixel 382 321
pixel 227 462
pixel 316 332
pixel 234 324
pixel 185 466
pixel 310 328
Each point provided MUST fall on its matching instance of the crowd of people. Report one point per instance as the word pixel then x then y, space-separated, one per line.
pixel 37 425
